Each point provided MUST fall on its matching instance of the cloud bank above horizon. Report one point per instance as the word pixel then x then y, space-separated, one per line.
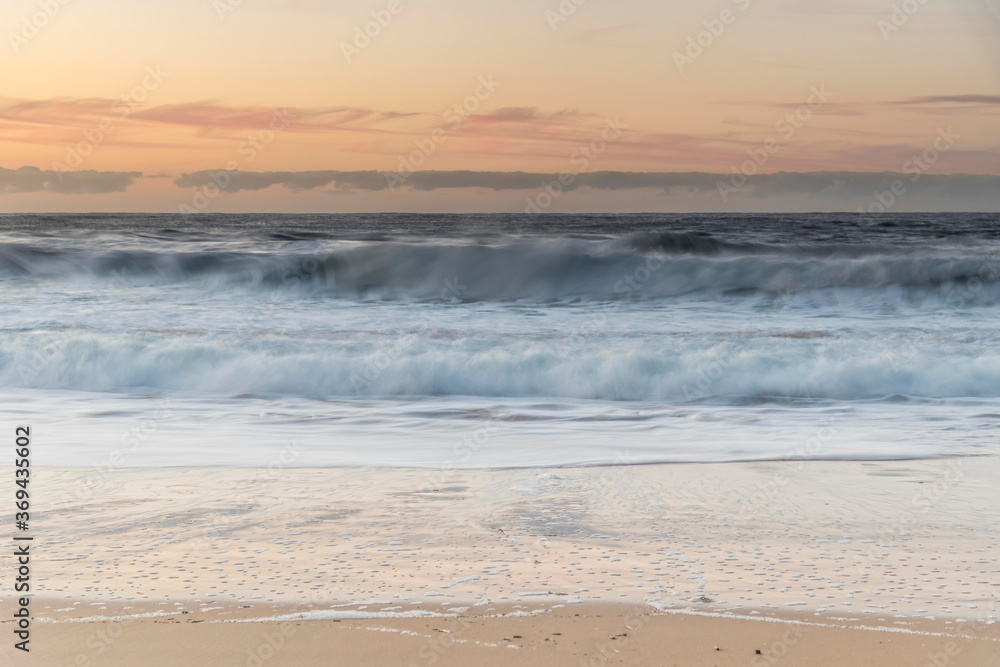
pixel 538 192
pixel 636 105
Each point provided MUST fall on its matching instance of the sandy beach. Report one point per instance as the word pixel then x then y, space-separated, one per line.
pixel 824 563
pixel 586 635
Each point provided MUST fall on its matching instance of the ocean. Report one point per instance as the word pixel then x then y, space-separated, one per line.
pixel 485 341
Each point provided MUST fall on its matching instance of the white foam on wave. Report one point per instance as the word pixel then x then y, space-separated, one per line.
pixel 652 368
pixel 339 614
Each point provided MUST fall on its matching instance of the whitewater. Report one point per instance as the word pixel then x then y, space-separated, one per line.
pixel 500 340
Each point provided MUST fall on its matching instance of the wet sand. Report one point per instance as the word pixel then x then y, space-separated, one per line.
pixel 864 560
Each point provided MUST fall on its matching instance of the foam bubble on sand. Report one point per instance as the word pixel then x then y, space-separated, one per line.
pixel 770 619
pixel 102 619
pixel 337 614
pixel 462 580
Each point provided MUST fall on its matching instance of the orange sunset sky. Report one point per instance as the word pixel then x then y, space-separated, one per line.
pixel 143 97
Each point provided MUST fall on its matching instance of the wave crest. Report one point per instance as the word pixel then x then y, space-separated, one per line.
pixel 549 270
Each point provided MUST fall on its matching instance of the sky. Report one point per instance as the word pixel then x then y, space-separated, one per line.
pixel 543 106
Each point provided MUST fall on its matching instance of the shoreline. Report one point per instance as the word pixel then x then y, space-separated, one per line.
pixel 589 634
pixel 981 626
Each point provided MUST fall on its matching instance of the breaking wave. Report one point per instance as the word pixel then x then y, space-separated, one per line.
pixel 649 267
